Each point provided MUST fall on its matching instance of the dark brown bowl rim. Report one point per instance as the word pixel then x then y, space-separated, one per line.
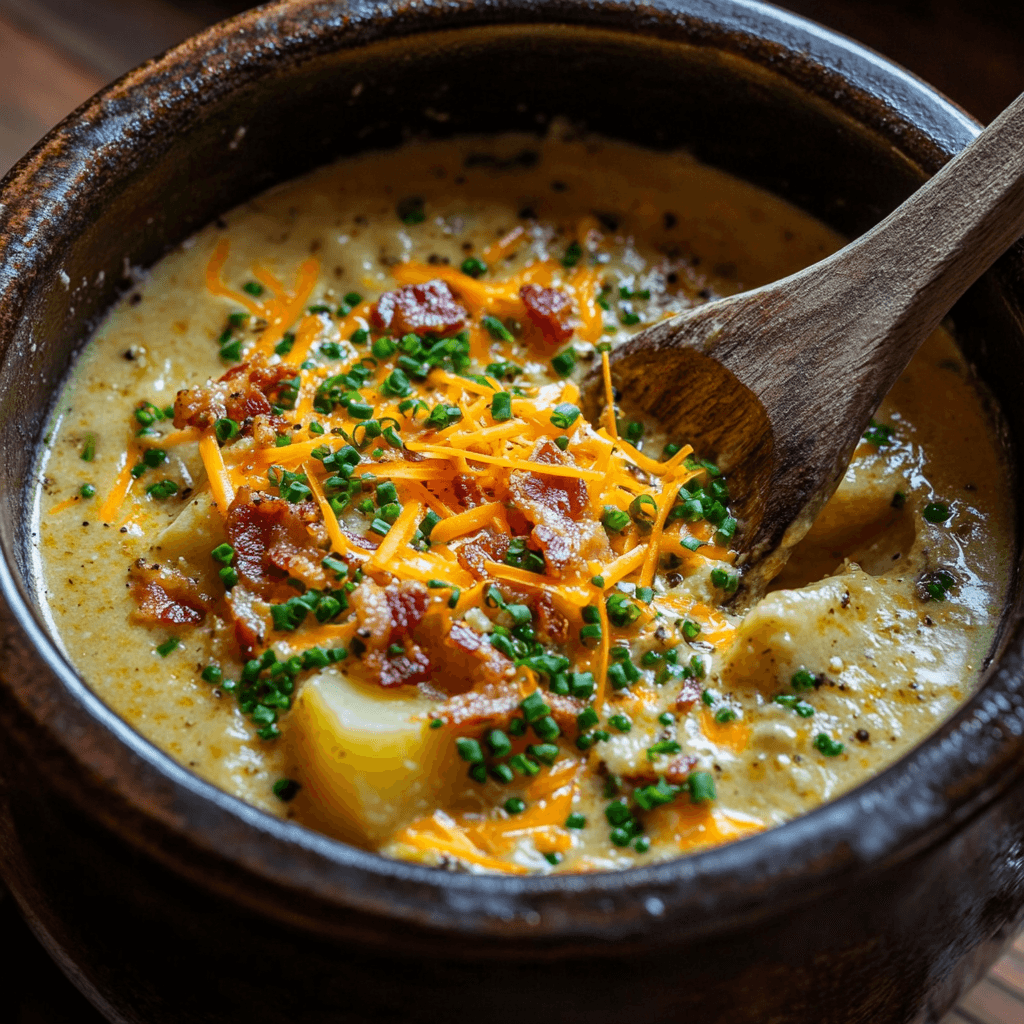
pixel 916 803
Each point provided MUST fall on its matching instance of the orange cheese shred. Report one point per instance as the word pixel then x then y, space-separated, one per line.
pixel 606 643
pixel 472 519
pixel 287 308
pixel 64 505
pixel 216 286
pixel 618 570
pixel 498 460
pixel 220 481
pixel 338 539
pixel 398 536
pixel 108 510
pixel 665 500
pixel 508 243
pixel 609 397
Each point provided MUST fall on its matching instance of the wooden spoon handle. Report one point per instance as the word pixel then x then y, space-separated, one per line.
pixel 913 266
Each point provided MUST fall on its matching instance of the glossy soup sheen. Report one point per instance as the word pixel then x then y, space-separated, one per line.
pixel 487 634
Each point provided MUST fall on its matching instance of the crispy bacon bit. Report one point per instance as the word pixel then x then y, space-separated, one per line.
pixel 675 773
pixel 466 491
pixel 564 710
pixel 166 596
pixel 251 617
pixel 555 505
pixel 242 394
pixel 401 670
pixel 389 616
pixel 679 768
pixel 688 695
pixel 429 308
pixel 486 663
pixel 274 539
pixel 492 705
pixel 550 309
pixel 486 545
pixel 552 625
pixel 494 695
pixel 565 495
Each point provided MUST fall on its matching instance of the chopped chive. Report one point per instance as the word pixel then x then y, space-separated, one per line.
pixel 662 747
pixel 469 750
pixel 936 512
pixel 383 347
pixel 231 352
pixel 162 489
pixel 803 680
pixel 514 805
pixel 575 820
pixel 473 267
pixel 534 708
pixel 499 743
pixel 89 450
pixel 522 764
pixel 496 329
pixel 828 746
pixel 285 789
pixel 501 407
pixel 643 510
pixel 410 211
pixel 573 253
pixel 253 288
pixel 172 643
pixel 225 429
pixel 614 519
pixel 87 491
pixel 724 580
pixel 565 415
pixel 564 363
pixel 545 752
pixel 701 786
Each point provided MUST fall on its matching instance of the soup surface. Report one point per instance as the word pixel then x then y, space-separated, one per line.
pixel 319 515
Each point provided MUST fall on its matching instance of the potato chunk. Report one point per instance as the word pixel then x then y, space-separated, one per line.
pixel 368 760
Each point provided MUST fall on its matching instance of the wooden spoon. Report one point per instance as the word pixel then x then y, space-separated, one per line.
pixel 779 383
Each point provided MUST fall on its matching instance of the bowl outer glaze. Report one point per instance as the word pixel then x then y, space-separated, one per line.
pixel 868 879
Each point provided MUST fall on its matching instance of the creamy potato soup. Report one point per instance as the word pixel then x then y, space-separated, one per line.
pixel 320 516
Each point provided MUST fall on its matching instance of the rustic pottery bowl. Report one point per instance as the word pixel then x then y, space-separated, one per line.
pixel 166 900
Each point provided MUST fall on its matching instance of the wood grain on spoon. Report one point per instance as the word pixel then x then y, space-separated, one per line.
pixel 779 383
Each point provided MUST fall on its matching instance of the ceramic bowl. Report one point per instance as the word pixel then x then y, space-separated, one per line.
pixel 166 900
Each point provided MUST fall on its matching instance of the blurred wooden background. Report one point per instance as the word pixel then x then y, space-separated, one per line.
pixel 56 53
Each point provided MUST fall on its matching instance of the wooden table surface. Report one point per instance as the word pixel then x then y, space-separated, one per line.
pixel 56 53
